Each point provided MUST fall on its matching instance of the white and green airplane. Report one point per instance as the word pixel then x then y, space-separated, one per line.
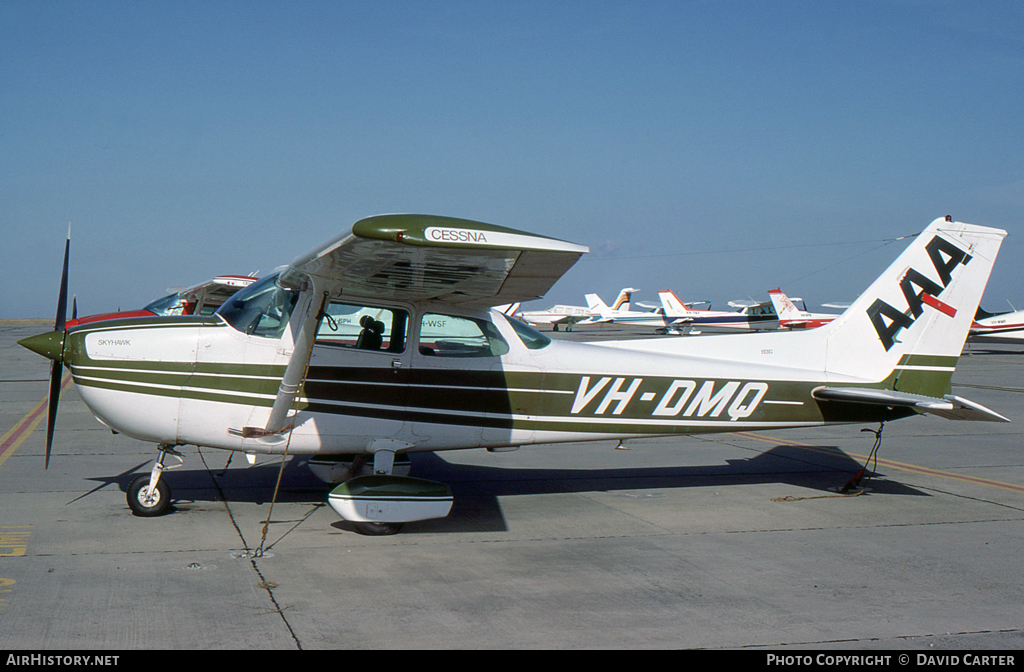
pixel 381 343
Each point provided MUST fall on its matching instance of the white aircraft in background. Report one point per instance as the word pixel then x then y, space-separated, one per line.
pixel 280 368
pixel 998 326
pixel 793 316
pixel 683 319
pixel 622 313
pixel 570 315
pixel 554 316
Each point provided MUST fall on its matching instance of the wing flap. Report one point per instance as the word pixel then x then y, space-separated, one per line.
pixel 950 406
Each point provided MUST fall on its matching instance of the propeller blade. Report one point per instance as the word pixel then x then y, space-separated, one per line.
pixel 62 298
pixel 74 307
pixel 51 411
pixel 57 368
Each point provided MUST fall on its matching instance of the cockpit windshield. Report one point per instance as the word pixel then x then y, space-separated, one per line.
pixel 531 338
pixel 171 304
pixel 261 309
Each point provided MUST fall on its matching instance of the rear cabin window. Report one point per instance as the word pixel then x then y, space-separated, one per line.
pixel 361 327
pixel 450 336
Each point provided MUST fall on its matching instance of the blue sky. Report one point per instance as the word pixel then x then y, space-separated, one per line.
pixel 718 149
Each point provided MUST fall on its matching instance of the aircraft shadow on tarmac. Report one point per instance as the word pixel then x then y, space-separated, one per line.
pixel 476 488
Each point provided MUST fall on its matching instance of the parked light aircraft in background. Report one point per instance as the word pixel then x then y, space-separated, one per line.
pixel 624 313
pixel 555 316
pixel 571 315
pixel 683 319
pixel 201 299
pixel 998 326
pixel 281 368
pixel 792 316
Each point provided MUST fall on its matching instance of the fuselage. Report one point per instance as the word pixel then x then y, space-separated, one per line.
pixel 442 379
pixel 560 314
pixel 729 321
pixel 1003 326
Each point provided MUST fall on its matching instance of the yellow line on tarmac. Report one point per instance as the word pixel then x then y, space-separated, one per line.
pixel 21 430
pixel 892 464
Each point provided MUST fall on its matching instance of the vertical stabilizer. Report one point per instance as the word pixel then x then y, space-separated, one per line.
pixel 624 297
pixel 784 308
pixel 910 325
pixel 596 305
pixel 672 305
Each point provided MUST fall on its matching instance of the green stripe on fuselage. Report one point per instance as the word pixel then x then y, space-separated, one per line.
pixel 543 401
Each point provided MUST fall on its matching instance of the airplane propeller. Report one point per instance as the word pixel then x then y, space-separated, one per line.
pixel 52 346
pixel 57 367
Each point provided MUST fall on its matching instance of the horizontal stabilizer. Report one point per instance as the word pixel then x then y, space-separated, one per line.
pixel 950 406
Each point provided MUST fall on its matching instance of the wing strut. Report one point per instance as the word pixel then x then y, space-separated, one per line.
pixel 294 374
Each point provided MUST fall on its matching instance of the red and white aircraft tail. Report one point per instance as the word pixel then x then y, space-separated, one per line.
pixel 672 305
pixel 791 317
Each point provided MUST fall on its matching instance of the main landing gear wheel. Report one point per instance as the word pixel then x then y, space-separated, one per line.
pixel 377 529
pixel 147 504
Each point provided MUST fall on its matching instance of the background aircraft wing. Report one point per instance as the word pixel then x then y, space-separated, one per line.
pixel 420 257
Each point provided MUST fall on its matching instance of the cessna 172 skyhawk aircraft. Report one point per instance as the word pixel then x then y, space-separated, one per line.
pixel 380 343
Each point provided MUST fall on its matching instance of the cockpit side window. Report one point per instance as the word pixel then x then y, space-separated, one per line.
pixel 450 336
pixel 362 327
pixel 261 309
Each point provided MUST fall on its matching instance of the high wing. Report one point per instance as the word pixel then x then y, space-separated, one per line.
pixel 424 257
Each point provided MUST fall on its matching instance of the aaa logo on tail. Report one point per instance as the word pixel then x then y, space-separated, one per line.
pixel 919 290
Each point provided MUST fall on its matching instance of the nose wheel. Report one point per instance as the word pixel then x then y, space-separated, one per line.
pixel 148 494
pixel 147 501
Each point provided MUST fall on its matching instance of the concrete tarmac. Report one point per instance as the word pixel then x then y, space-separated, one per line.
pixel 719 542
